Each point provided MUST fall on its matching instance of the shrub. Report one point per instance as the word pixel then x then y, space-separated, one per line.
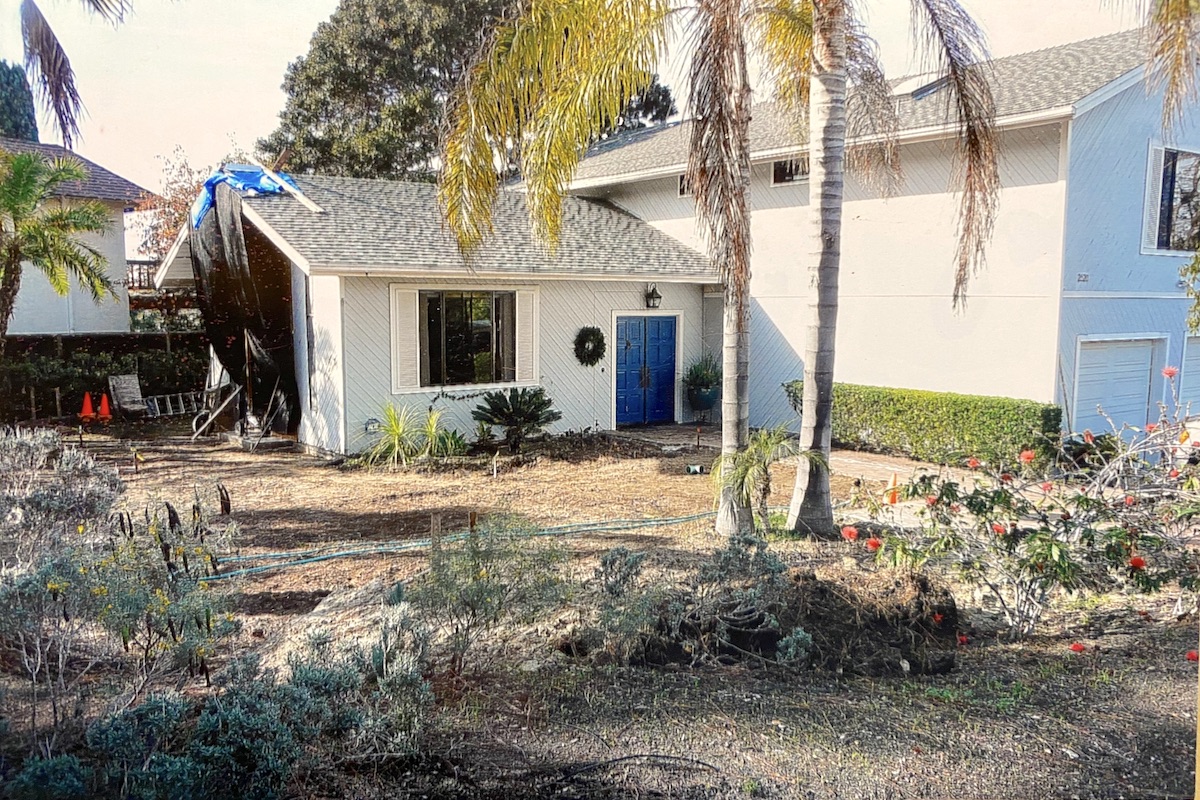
pixel 748 471
pixel 404 438
pixel 938 427
pixel 1122 516
pixel 520 412
pixel 703 373
pixel 57 778
pixel 476 581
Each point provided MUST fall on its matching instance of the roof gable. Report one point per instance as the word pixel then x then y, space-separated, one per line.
pixel 1027 83
pixel 101 184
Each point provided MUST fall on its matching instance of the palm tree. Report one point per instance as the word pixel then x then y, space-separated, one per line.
pixel 748 471
pixel 538 83
pixel 40 230
pixel 48 67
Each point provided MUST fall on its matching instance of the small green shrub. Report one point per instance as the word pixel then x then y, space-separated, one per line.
pixel 748 471
pixel 703 373
pixel 939 427
pixel 496 572
pixel 57 778
pixel 520 412
pixel 404 437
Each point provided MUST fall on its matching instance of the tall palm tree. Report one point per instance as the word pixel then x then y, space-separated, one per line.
pixel 42 231
pixel 538 83
pixel 48 67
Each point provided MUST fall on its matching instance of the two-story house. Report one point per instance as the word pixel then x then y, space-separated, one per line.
pixel 1081 302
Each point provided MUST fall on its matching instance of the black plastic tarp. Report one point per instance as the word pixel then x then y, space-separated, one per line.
pixel 243 288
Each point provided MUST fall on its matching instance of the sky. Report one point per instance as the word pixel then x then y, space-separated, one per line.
pixel 205 75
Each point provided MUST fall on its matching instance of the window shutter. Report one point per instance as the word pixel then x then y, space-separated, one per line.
pixel 406 340
pixel 526 325
pixel 1153 200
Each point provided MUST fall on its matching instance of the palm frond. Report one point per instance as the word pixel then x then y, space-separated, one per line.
pixel 50 71
pixel 547 80
pixel 782 31
pixel 871 117
pixel 1174 26
pixel 719 153
pixel 950 39
pixel 113 11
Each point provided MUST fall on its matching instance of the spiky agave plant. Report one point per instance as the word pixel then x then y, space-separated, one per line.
pixel 520 412
pixel 748 472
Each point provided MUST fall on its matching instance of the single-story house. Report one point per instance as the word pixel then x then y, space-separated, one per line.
pixel 41 310
pixel 1081 303
pixel 382 309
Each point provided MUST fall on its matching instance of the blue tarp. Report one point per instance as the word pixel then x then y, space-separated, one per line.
pixel 245 179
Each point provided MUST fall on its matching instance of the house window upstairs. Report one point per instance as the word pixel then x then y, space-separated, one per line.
pixel 1172 223
pixel 789 170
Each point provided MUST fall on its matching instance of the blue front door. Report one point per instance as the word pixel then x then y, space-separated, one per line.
pixel 645 370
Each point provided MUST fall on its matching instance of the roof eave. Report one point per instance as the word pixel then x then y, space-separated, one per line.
pixel 425 273
pixel 909 135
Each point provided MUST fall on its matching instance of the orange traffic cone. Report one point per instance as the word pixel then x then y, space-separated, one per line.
pixel 893 490
pixel 105 411
pixel 86 413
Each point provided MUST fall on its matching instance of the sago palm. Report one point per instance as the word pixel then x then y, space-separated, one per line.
pixel 40 229
pixel 548 78
pixel 48 67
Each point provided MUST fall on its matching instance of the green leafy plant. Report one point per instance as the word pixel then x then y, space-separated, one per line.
pixel 748 471
pixel 404 438
pixel 703 373
pixel 939 427
pixel 520 412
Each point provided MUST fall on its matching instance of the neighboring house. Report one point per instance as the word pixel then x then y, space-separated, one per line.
pixel 384 309
pixel 41 310
pixel 1080 303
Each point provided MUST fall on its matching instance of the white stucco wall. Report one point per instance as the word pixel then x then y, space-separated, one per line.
pixel 584 395
pixel 896 323
pixel 40 310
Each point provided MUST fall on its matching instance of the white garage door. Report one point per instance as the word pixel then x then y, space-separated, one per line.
pixel 1189 379
pixel 1116 377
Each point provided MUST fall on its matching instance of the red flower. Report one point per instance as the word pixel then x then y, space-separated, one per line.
pixel 1137 562
pixel 973 462
pixel 850 533
pixel 931 500
pixel 962 639
pixel 1078 647
pixel 1173 473
pixel 1047 486
pixel 1192 655
pixel 1005 477
pixel 1151 427
pixel 938 617
pixel 1170 372
pixel 998 529
pixel 1088 437
pixel 874 543
pixel 1130 500
pixel 1027 456
pixel 955 508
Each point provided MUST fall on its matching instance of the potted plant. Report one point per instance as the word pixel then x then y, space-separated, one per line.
pixel 703 382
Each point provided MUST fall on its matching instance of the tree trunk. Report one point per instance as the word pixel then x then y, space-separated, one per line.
pixel 811 510
pixel 733 515
pixel 10 283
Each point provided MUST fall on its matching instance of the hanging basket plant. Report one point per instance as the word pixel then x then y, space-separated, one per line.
pixel 589 346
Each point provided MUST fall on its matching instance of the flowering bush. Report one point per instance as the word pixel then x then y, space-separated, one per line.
pixel 1116 510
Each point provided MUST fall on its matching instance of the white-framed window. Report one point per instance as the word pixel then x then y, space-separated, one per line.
pixel 451 336
pixel 685 186
pixel 789 170
pixel 1172 217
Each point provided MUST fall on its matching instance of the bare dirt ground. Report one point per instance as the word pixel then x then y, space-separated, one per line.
pixel 1028 720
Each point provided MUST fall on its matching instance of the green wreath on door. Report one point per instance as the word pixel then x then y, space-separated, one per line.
pixel 589 346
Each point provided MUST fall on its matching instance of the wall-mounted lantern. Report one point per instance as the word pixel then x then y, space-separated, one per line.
pixel 653 298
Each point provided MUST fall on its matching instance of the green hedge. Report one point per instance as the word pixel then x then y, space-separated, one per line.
pixel 939 427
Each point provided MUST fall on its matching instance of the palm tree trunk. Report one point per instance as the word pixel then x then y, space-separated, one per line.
pixel 734 516
pixel 10 284
pixel 811 510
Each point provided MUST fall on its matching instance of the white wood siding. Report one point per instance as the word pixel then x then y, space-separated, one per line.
pixel 39 309
pixel 583 394
pixel 896 324
pixel 300 342
pixel 324 426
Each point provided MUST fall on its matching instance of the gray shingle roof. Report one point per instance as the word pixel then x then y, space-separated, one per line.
pixel 392 226
pixel 101 184
pixel 1029 82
